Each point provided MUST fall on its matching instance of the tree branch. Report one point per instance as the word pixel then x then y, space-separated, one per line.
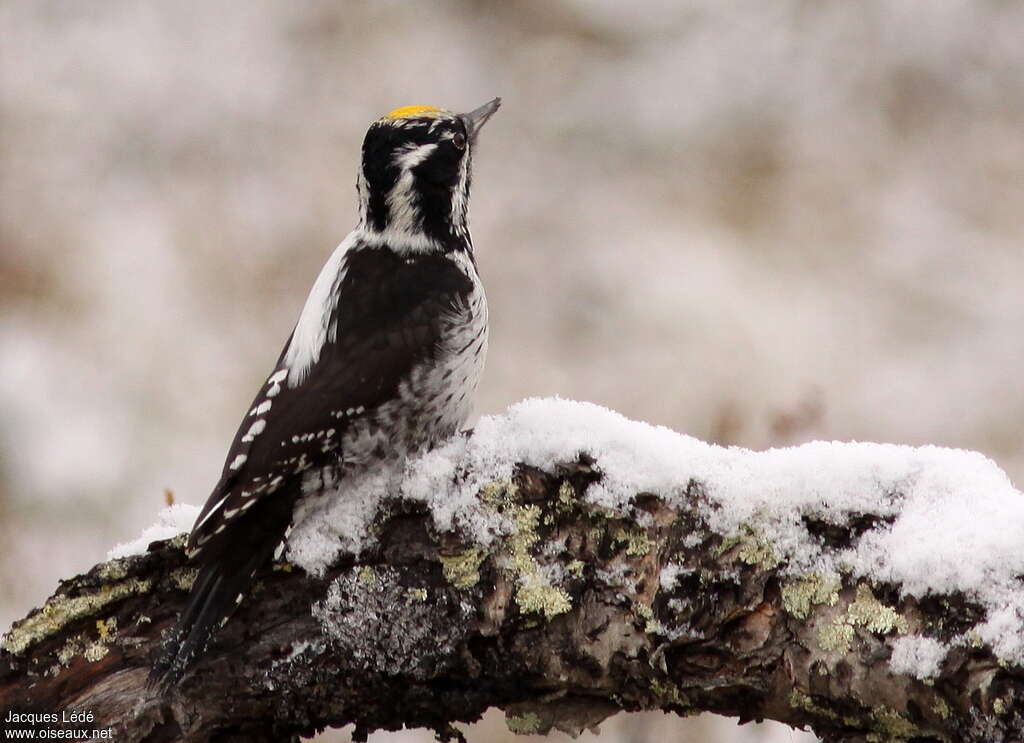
pixel 574 614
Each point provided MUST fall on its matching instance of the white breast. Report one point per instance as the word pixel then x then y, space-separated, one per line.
pixel 451 384
pixel 437 398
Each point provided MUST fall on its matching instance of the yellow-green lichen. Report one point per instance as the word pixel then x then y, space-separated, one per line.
pixel 543 599
pixel 799 700
pixel 282 567
pixel 865 611
pixel 525 724
pixel 60 610
pixel 95 651
pixel 183 578
pixel 890 726
pixel 576 568
pixel 799 597
pixel 72 648
pixel 415 594
pixel 644 612
pixel 940 708
pixel 367 575
pixel 754 548
pixel 566 500
pixel 636 540
pixel 106 629
pixel 534 592
pixel 114 569
pixel 726 544
pixel 669 693
pixel 524 537
pixel 499 493
pixel 836 635
pixel 873 615
pixel 759 552
pixel 463 570
pixel 999 706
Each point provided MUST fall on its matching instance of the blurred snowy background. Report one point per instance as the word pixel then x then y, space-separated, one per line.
pixel 758 223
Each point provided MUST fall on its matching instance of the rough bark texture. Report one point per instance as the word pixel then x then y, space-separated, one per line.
pixel 427 630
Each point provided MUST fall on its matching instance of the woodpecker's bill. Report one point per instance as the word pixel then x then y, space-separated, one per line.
pixel 383 362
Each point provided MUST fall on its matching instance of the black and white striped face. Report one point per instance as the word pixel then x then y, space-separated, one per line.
pixel 415 177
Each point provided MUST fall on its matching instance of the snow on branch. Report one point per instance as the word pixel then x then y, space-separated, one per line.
pixel 564 563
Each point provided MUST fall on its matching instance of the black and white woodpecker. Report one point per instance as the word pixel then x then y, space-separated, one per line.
pixel 383 362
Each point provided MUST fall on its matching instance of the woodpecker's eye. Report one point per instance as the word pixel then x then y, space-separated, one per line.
pixel 459 140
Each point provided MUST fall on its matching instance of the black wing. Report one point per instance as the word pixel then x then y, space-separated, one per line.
pixel 389 317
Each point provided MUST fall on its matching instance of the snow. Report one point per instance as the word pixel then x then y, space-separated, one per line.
pixel 669 575
pixel 917 656
pixel 951 519
pixel 338 520
pixel 170 522
pixel 956 519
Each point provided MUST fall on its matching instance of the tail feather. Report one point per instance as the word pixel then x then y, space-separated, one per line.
pixel 194 629
pixel 215 595
pixel 227 564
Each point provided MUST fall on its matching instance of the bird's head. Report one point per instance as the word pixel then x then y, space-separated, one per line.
pixel 414 181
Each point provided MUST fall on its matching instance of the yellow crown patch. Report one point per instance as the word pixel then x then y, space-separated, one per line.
pixel 414 112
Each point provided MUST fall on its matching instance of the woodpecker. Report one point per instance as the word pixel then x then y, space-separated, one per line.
pixel 383 363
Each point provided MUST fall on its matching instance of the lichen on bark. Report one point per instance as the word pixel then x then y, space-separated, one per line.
pixel 646 608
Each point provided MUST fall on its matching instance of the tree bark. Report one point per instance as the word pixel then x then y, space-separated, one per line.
pixel 428 629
